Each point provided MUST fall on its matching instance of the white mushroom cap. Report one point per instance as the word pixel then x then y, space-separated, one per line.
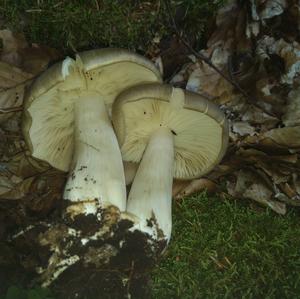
pixel 200 128
pixel 48 113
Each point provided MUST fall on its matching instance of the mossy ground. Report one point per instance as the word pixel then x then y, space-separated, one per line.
pixel 226 249
pixel 219 248
pixel 84 24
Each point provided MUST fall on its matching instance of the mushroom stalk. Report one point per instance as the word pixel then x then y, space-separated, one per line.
pixel 150 197
pixel 96 177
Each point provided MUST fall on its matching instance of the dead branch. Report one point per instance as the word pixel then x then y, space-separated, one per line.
pixel 182 37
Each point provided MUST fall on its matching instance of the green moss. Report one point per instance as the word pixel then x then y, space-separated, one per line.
pixel 83 24
pixel 219 249
pixel 222 249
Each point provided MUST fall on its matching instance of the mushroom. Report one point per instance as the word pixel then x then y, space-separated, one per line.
pixel 172 133
pixel 66 123
pixel 130 170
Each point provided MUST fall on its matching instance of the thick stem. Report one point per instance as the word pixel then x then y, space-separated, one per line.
pixel 97 169
pixel 151 192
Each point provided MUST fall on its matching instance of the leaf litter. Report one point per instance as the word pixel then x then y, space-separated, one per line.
pixel 251 45
pixel 26 184
pixel 254 45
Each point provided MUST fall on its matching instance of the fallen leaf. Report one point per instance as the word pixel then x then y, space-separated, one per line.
pixel 12 85
pixel 206 80
pixel 251 185
pixel 276 167
pixel 12 43
pixel 288 136
pixel 195 186
pixel 289 52
pixel 291 115
pixel 267 9
pixel 242 128
pixel 18 190
pixel 17 52
pixel 257 116
pixel 179 185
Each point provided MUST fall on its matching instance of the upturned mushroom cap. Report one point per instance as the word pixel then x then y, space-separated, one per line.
pixel 48 114
pixel 200 128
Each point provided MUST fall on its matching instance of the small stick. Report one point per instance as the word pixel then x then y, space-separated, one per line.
pixel 201 56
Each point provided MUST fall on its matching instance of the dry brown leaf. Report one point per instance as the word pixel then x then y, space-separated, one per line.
pixel 288 137
pixel 260 11
pixel 180 78
pixel 283 197
pixel 196 186
pixel 257 116
pixel 179 185
pixel 242 128
pixel 206 80
pixel 16 52
pixel 251 185
pixel 37 58
pixel 267 73
pixel 19 190
pixel 5 185
pixel 291 116
pixel 225 26
pixel 18 64
pixel 10 76
pixel 12 85
pixel 288 190
pixel 266 9
pixel 273 166
pixel 12 44
pixel 289 52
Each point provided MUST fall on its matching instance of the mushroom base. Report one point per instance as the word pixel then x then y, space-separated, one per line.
pixel 87 257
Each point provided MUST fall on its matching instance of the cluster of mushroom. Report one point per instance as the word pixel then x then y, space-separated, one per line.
pixel 171 133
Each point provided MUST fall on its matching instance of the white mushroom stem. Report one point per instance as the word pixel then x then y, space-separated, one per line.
pixel 97 169
pixel 151 192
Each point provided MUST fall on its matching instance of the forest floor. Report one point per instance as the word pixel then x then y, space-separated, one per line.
pixel 220 247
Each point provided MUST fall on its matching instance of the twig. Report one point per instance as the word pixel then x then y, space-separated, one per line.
pixel 200 55
pixel 97 5
pixel 33 10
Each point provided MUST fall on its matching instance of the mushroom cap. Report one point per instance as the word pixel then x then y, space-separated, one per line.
pixel 49 103
pixel 200 128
